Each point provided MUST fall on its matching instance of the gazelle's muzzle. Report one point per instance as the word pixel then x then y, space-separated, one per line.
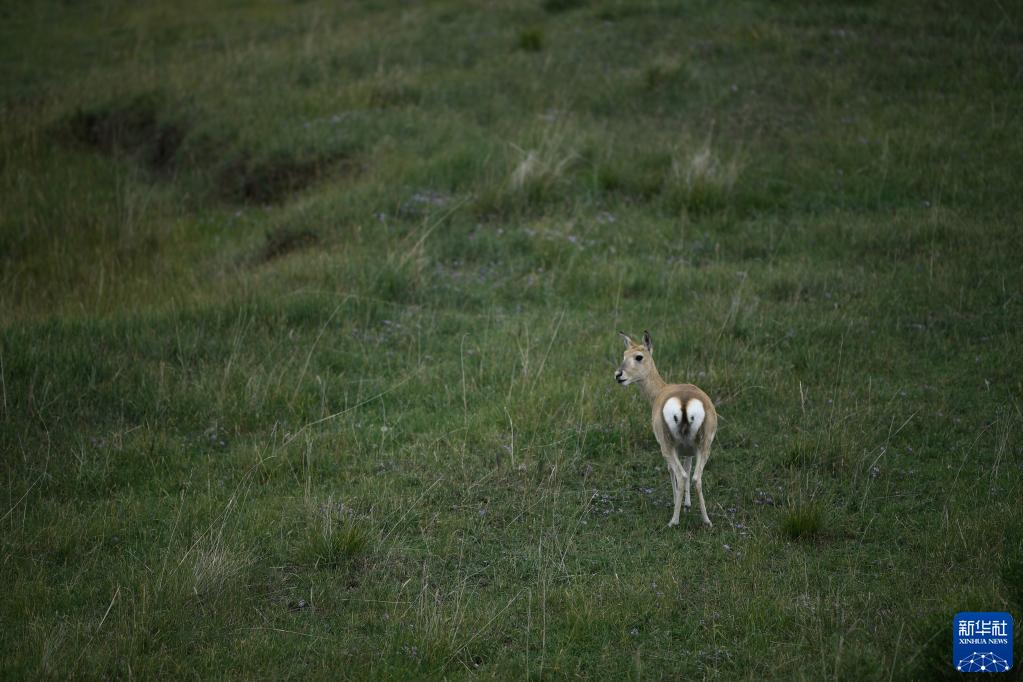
pixel 620 376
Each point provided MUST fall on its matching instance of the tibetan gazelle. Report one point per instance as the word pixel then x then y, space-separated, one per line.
pixel 684 420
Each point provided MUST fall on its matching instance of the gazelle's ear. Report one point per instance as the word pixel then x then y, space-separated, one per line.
pixel 648 342
pixel 628 341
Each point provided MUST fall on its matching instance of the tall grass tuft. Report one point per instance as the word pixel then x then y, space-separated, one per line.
pixel 214 569
pixel 803 521
pixel 531 39
pixel 334 538
pixel 699 179
pixel 544 168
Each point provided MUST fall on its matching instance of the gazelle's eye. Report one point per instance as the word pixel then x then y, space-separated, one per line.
pixel 639 358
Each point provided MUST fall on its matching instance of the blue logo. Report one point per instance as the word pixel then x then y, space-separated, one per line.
pixel 982 641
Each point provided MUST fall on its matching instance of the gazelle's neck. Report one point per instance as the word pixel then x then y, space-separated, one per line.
pixel 652 385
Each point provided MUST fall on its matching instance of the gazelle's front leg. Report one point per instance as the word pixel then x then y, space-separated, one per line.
pixel 678 477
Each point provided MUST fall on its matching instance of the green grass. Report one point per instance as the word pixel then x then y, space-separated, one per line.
pixel 308 319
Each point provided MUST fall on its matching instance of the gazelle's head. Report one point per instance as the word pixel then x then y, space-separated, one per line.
pixel 638 361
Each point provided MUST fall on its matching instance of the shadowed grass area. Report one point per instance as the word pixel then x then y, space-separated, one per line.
pixel 307 332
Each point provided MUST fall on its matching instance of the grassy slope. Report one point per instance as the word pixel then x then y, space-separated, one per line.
pixel 308 330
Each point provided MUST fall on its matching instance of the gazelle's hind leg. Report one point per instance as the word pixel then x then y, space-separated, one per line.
pixel 677 478
pixel 702 455
pixel 674 482
pixel 687 467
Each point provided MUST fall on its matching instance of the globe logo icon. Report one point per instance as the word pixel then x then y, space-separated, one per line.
pixel 978 662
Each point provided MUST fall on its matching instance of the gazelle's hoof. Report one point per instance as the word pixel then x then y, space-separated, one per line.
pixel 707 523
pixel 673 522
pixel 686 508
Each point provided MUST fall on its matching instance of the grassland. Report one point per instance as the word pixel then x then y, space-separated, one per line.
pixel 307 331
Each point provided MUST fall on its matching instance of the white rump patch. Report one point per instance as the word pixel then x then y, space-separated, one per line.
pixel 695 413
pixel 683 425
pixel 672 413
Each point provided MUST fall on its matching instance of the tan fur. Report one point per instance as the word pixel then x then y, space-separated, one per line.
pixel 643 372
